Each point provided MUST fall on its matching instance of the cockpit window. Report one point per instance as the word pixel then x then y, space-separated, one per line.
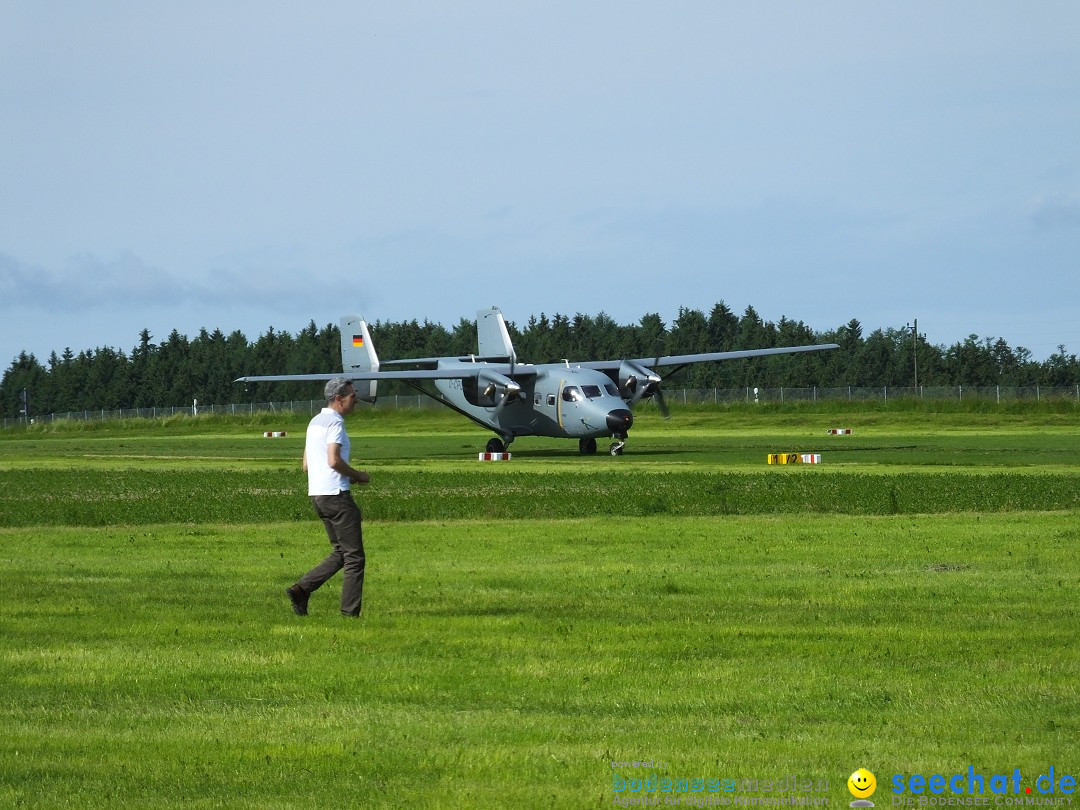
pixel 572 394
pixel 611 389
pixel 591 391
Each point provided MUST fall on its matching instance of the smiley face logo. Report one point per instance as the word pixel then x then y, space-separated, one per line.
pixel 862 784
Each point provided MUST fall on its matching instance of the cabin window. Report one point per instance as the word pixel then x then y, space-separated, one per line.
pixel 572 394
pixel 591 391
pixel 551 399
pixel 536 400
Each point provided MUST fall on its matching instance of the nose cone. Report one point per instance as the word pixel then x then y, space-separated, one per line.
pixel 620 420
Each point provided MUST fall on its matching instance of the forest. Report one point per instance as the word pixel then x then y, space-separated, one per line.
pixel 178 369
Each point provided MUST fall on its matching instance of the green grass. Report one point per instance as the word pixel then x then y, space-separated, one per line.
pixel 161 666
pixel 137 497
pixel 684 604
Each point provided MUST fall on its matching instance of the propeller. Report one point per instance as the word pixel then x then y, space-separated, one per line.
pixel 498 388
pixel 658 392
pixel 637 383
pixel 661 403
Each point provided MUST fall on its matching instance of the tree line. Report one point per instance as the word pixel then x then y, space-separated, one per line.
pixel 178 370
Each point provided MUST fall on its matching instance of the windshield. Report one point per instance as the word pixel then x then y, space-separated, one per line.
pixel 591 391
pixel 572 394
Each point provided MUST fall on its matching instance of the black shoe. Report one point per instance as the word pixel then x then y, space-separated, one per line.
pixel 299 598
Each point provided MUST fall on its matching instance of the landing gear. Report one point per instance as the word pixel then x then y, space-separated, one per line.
pixel 617 447
pixel 496 446
pixel 587 447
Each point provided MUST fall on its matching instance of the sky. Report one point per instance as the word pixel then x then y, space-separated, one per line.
pixel 247 165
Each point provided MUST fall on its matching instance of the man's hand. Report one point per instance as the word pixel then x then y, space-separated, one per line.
pixel 340 466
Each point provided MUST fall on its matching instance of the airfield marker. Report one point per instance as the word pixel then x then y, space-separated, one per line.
pixel 794 458
pixel 495 456
pixel 839 431
pixel 274 434
pixel 784 458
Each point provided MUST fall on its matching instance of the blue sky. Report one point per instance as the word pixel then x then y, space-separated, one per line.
pixel 242 165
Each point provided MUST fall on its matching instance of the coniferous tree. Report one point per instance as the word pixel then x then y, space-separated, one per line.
pixel 24 374
pixel 178 369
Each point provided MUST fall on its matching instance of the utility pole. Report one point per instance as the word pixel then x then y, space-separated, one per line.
pixel 915 351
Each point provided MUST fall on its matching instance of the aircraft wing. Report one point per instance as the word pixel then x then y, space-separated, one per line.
pixel 427 374
pixel 433 362
pixel 708 357
pixel 463 371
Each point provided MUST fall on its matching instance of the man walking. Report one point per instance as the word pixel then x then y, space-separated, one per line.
pixel 326 461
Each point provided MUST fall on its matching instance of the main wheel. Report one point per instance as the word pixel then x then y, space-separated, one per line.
pixel 587 447
pixel 496 446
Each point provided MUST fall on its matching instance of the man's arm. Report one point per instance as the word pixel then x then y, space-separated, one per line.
pixel 340 466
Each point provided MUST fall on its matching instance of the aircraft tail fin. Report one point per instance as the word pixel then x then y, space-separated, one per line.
pixel 358 355
pixel 493 338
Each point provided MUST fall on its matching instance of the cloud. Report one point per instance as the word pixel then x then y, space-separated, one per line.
pixel 86 283
pixel 1055 212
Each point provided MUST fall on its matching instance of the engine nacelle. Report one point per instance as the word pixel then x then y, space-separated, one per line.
pixel 489 389
pixel 636 382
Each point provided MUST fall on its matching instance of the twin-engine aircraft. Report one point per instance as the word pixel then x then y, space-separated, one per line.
pixel 584 401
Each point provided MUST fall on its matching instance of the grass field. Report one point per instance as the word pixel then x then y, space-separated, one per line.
pixel 534 628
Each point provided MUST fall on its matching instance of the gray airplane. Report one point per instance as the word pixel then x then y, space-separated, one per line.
pixel 583 401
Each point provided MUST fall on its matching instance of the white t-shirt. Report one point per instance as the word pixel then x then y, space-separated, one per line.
pixel 326 428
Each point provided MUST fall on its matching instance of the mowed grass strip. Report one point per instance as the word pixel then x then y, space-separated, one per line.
pixel 509 663
pixel 102 497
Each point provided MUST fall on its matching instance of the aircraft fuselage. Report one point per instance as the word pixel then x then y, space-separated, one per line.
pixel 556 400
pixel 583 401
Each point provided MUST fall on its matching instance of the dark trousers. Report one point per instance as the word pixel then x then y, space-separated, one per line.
pixel 341 517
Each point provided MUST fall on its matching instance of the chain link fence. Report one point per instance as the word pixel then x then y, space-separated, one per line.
pixel 958 393
pixel 954 393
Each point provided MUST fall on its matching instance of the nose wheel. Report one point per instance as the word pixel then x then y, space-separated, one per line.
pixel 617 447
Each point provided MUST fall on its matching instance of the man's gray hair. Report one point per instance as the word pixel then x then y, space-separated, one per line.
pixel 336 388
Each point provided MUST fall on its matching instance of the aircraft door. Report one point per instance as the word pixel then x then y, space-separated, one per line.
pixel 569 402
